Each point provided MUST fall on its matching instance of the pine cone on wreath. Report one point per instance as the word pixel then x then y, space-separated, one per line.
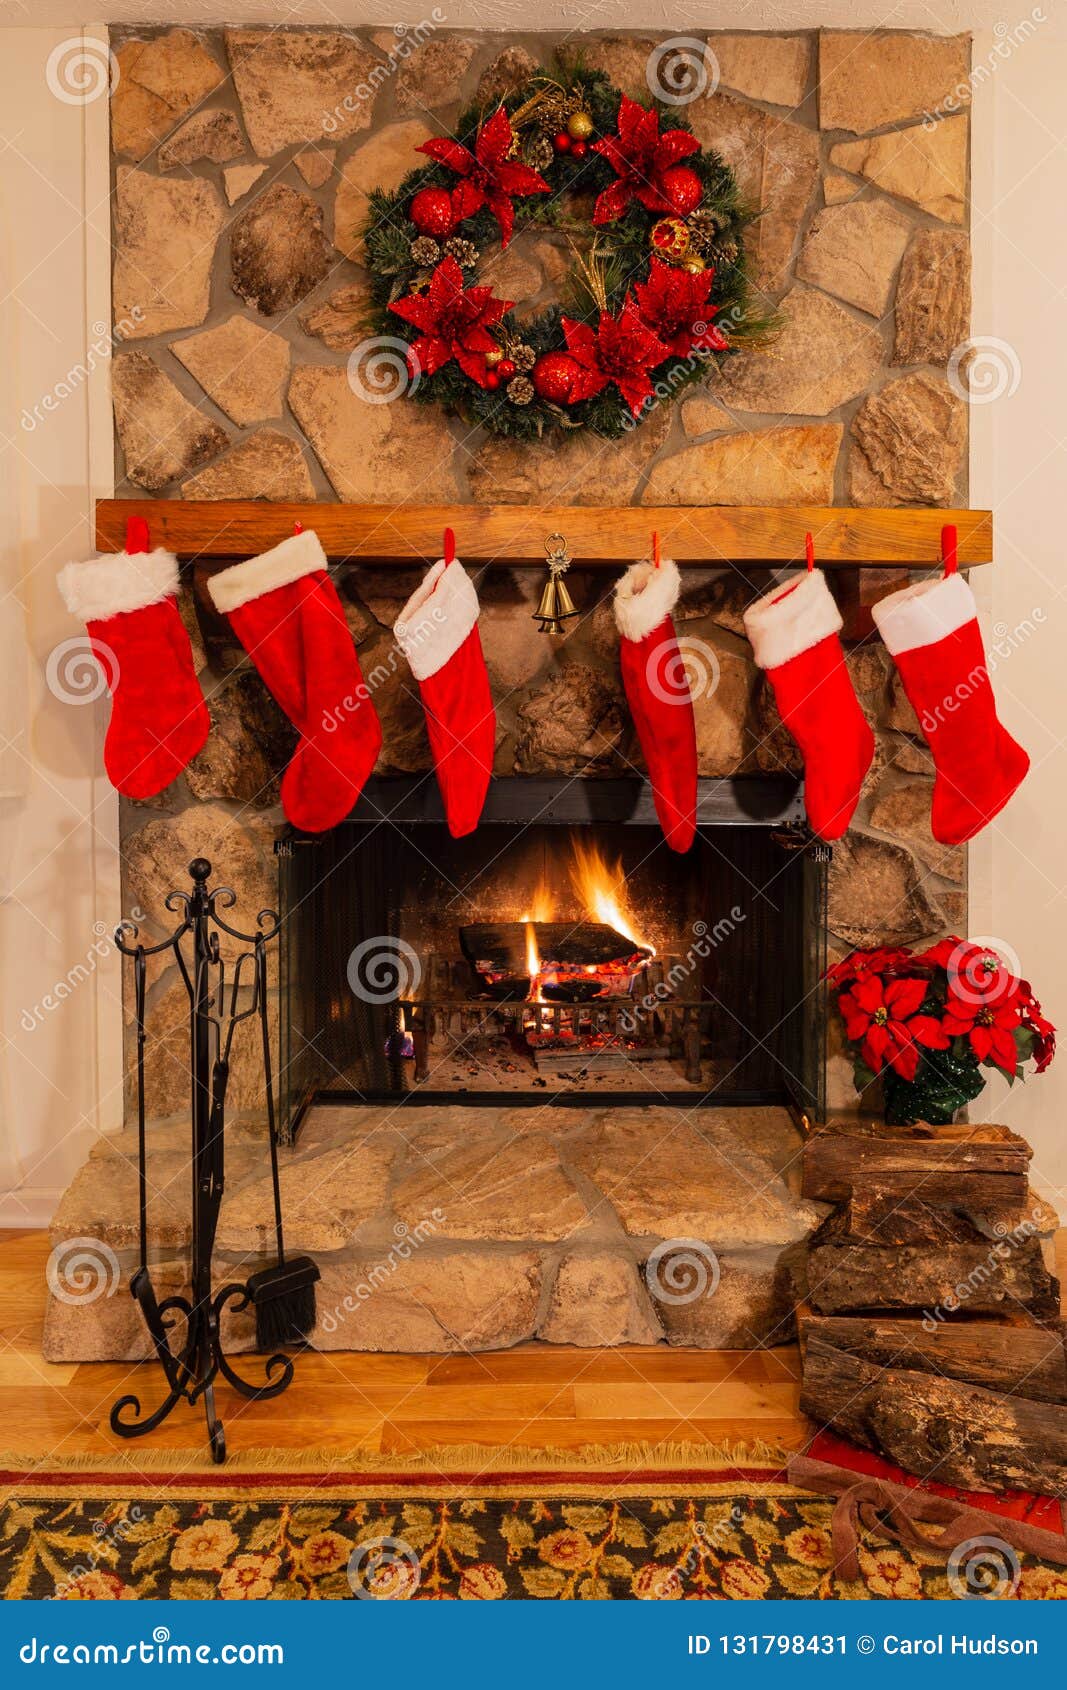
pixel 425 251
pixel 520 390
pixel 463 251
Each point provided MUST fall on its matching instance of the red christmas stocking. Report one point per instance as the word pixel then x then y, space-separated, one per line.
pixel 437 631
pixel 657 691
pixel 794 634
pixel 285 611
pixel 932 632
pixel 158 716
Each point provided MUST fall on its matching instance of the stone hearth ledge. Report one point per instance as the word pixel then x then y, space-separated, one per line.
pixel 464 1227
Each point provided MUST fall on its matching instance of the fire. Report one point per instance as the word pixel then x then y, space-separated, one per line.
pixel 602 890
pixel 533 960
pixel 543 907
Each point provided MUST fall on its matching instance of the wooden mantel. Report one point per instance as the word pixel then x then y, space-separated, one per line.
pixel 597 535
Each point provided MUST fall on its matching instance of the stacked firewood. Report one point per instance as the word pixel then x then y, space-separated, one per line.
pixel 932 1332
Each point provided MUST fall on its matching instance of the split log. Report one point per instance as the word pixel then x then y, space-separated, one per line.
pixel 910 1255
pixel 500 947
pixel 976 1165
pixel 1022 1358
pixel 937 1428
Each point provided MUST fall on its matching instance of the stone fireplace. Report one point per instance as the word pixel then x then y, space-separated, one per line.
pixel 479 1161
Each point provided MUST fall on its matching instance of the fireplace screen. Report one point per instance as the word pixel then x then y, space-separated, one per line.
pixel 560 952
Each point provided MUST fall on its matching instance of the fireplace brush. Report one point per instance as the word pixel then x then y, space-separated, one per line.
pixel 282 1297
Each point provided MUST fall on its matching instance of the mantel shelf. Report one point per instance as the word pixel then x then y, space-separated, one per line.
pixel 603 536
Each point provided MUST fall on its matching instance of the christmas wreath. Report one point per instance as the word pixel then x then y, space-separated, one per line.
pixel 657 289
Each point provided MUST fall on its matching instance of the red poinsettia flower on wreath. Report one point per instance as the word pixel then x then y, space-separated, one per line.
pixel 988 1025
pixel 487 175
pixel 455 323
pixel 674 304
pixel 621 349
pixel 883 1020
pixel 640 157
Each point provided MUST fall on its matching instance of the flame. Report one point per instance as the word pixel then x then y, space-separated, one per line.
pixel 543 906
pixel 533 962
pixel 602 889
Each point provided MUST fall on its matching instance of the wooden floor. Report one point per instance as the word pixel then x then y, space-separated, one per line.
pixel 534 1396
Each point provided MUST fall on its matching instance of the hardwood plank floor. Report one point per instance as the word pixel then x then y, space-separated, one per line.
pixel 533 1396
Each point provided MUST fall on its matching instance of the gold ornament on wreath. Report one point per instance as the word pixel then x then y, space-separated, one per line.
pixel 659 257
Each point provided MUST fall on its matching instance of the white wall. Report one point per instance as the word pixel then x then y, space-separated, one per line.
pixel 58 859
pixel 1019 866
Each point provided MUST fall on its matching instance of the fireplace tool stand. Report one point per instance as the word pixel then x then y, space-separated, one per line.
pixel 192 1365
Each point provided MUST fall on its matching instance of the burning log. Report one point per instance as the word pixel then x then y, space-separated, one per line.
pixel 572 962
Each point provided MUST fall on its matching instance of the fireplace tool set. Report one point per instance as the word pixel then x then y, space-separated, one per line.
pixel 282 1297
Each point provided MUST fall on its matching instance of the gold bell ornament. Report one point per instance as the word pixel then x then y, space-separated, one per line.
pixel 556 603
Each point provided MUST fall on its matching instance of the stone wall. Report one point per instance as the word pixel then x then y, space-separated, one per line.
pixel 242 161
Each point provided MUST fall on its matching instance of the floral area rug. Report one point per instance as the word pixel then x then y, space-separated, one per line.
pixel 669 1530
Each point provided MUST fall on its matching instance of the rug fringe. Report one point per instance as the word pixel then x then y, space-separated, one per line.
pixel 441 1460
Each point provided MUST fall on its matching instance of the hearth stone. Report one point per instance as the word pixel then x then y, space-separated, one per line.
pixel 470 1227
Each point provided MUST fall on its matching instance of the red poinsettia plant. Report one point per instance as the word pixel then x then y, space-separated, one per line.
pixel 927 1023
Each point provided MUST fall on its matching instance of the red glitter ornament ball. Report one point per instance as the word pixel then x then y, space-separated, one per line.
pixel 431 212
pixel 562 142
pixel 506 369
pixel 682 189
pixel 492 380
pixel 579 149
pixel 553 376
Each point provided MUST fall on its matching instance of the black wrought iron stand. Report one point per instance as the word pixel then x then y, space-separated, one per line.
pixel 192 1367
